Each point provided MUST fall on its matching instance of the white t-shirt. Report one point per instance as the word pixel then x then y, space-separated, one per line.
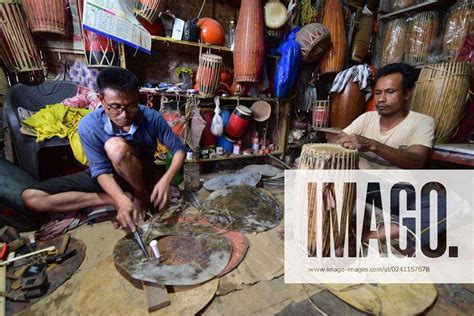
pixel 415 129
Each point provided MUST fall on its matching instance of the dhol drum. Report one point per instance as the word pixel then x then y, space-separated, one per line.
pixel 249 48
pixel 459 24
pixel 321 112
pixel 208 74
pixel 238 122
pixel 323 157
pixel 100 51
pixel 421 33
pixel 148 10
pixel 347 105
pixel 17 48
pixel 333 60
pixel 441 92
pixel 393 46
pixel 46 16
pixel 314 40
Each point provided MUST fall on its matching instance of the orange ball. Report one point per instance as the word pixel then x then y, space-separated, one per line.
pixel 211 31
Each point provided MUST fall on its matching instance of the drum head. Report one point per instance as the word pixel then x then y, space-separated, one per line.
pixel 261 111
pixel 275 14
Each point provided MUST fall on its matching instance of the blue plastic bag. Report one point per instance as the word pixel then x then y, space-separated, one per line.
pixel 287 69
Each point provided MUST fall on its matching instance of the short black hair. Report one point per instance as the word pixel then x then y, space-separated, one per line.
pixel 117 78
pixel 409 74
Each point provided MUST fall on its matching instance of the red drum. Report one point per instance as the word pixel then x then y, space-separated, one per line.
pixel 238 122
pixel 100 51
pixel 46 16
pixel 208 139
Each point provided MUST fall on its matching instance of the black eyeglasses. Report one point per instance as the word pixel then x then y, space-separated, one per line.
pixel 116 110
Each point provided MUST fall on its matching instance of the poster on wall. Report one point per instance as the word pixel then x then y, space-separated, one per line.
pixel 115 19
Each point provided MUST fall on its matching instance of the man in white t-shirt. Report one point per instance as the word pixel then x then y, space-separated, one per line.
pixel 393 137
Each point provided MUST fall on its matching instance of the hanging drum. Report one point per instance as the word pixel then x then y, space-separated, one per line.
pixel 148 9
pixel 249 49
pixel 332 157
pixel 100 51
pixel 17 49
pixel 441 92
pixel 314 40
pixel 422 29
pixel 46 16
pixel 393 45
pixel 460 23
pixel 333 19
pixel 321 111
pixel 238 122
pixel 347 105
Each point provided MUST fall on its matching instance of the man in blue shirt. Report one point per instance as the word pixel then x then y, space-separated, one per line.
pixel 119 141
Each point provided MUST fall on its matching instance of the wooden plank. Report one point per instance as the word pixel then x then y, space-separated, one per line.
pixel 3 289
pixel 64 244
pixel 156 296
pixel 460 159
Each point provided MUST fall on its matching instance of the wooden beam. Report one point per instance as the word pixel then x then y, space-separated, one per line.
pixel 156 296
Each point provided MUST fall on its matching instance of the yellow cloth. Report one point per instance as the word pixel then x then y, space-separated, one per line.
pixel 61 121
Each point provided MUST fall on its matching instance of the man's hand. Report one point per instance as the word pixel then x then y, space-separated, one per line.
pixel 356 142
pixel 161 194
pixel 127 214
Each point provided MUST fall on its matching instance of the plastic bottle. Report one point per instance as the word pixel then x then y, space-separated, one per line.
pixel 230 35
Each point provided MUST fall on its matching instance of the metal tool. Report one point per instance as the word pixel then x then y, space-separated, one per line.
pixel 139 241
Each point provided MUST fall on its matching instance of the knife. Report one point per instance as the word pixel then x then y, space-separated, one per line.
pixel 139 241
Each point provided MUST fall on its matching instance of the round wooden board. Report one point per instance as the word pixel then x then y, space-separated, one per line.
pixel 103 291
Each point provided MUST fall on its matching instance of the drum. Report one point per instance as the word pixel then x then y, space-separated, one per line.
pixel 333 19
pixel 421 33
pixel 441 92
pixel 363 34
pixel 148 9
pixel 400 4
pixel 460 23
pixel 393 45
pixel 17 49
pixel 238 122
pixel 323 157
pixel 46 16
pixel 321 111
pixel 249 47
pixel 100 51
pixel 208 74
pixel 314 40
pixel 347 105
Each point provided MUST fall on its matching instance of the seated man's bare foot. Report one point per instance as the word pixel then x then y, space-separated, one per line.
pixel 141 202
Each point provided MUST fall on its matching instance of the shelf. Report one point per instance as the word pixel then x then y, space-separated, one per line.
pixel 429 4
pixel 221 158
pixel 193 46
pixel 231 98
pixel 168 41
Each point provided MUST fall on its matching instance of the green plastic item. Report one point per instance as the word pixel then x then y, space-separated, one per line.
pixel 178 178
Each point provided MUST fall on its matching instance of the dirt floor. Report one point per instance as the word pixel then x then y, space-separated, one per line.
pixel 249 289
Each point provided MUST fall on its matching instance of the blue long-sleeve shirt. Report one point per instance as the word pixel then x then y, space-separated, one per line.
pixel 96 128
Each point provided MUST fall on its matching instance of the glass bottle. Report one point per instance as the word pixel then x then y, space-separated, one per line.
pixel 230 35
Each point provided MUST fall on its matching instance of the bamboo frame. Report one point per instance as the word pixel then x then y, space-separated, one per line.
pixel 333 157
pixel 441 92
